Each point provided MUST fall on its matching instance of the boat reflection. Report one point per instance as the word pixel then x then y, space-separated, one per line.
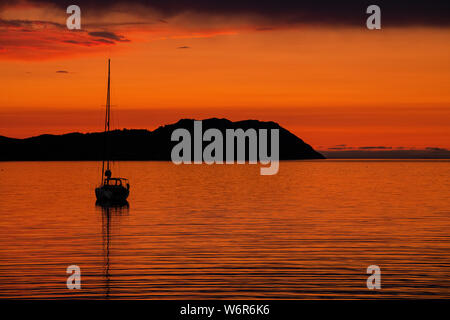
pixel 111 214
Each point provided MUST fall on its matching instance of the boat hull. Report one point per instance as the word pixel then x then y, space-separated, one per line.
pixel 112 194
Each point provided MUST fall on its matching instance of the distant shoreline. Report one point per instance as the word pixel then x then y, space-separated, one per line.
pixel 412 154
pixel 304 160
pixel 356 154
pixel 146 145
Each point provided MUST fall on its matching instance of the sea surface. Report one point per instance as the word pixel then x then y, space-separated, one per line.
pixel 226 232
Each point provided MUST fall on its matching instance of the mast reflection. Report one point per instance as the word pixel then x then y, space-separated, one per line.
pixel 111 214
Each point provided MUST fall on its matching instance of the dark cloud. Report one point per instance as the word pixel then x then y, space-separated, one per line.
pixel 339 148
pixel 62 71
pixel 16 23
pixel 326 12
pixel 435 149
pixel 86 43
pixel 376 148
pixel 32 38
pixel 105 41
pixel 184 47
pixel 108 35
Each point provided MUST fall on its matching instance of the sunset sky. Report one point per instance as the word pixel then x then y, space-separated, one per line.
pixel 313 67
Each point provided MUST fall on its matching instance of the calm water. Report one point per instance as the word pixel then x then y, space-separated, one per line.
pixel 200 232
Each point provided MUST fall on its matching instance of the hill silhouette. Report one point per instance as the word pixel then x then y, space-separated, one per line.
pixel 137 144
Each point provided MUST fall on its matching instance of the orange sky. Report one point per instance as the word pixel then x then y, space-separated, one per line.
pixel 329 85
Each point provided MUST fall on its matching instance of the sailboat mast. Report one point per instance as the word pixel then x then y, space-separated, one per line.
pixel 107 118
pixel 108 110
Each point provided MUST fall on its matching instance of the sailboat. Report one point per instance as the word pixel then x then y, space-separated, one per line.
pixel 111 190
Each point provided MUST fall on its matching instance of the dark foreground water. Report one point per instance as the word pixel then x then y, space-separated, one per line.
pixel 201 232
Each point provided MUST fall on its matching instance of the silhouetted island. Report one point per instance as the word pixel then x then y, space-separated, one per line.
pixel 138 144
